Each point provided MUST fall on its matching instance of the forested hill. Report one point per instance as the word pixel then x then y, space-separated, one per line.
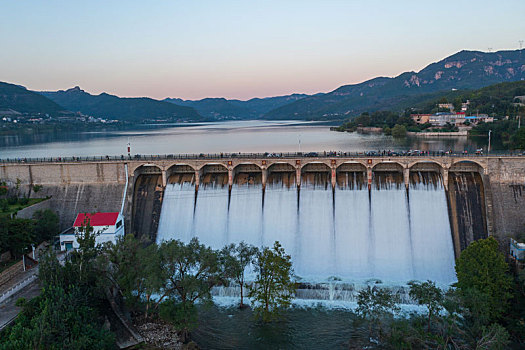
pixel 121 108
pixel 503 99
pixel 17 99
pixel 463 70
pixel 221 108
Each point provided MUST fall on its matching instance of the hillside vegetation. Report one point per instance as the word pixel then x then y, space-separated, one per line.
pixel 120 108
pixel 17 99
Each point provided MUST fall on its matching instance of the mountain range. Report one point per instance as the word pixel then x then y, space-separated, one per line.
pixel 121 108
pixel 465 70
pixel 15 99
pixel 221 108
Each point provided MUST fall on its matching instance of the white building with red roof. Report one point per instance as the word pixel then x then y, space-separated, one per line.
pixel 108 226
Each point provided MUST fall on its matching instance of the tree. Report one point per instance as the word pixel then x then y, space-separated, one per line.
pixel 138 282
pixel 427 294
pixel 16 235
pixel 87 250
pixel 273 287
pixel 481 266
pixel 191 271
pixel 494 337
pixel 66 314
pixel 399 131
pixel 46 225
pixel 457 105
pixel 519 138
pixel 57 320
pixel 235 259
pixel 374 304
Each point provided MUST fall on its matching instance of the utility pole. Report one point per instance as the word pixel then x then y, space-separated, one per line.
pixel 488 151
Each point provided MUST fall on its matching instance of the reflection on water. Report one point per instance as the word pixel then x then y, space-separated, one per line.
pixel 300 328
pixel 234 136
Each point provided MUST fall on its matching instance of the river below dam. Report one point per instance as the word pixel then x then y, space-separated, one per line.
pixel 228 137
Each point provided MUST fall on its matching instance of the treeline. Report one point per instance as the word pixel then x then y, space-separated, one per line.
pixel 155 282
pixel 484 310
pixel 395 124
pixel 497 100
pixel 17 235
pixel 505 133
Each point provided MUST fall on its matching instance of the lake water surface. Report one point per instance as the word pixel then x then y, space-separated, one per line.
pixel 233 136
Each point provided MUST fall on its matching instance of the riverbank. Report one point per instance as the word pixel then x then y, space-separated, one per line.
pixel 463 133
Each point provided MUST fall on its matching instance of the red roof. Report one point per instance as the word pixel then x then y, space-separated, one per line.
pixel 97 219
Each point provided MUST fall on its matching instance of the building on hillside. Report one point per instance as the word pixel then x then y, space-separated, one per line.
pixel 108 226
pixel 421 118
pixel 448 106
pixel 517 250
pixel 464 106
pixel 440 119
pixel 474 119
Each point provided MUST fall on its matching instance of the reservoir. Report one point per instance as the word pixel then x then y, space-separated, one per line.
pixel 229 137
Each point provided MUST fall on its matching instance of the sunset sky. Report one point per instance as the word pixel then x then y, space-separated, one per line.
pixel 239 49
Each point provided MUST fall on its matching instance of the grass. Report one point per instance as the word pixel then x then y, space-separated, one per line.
pixel 13 208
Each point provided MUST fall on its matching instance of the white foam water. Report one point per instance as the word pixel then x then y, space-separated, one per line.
pixel 344 236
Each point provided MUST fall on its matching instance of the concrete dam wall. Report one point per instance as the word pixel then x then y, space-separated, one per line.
pixel 72 188
pixel 485 195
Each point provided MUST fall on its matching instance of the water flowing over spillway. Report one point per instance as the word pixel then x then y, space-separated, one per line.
pixel 349 234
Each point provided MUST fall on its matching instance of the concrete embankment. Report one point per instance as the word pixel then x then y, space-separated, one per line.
pixel 72 188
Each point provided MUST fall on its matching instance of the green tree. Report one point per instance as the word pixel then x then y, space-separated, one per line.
pixel 273 287
pixel 494 337
pixel 375 304
pixel 235 259
pixel 481 266
pixel 46 225
pixel 57 320
pixel 427 294
pixel 191 271
pixel 67 313
pixel 519 138
pixel 399 131
pixel 16 235
pixel 457 105
pixel 138 282
pixel 87 252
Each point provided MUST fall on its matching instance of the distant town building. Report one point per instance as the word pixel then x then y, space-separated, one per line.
pixel 109 227
pixel 442 118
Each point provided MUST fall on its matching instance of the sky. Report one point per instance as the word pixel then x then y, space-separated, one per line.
pixel 239 49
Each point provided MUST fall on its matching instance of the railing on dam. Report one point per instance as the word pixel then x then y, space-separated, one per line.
pixel 366 154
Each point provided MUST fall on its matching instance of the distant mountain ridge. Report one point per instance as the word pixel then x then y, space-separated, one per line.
pixel 221 108
pixel 129 109
pixel 16 99
pixel 463 70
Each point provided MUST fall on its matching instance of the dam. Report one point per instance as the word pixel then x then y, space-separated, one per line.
pixel 342 217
